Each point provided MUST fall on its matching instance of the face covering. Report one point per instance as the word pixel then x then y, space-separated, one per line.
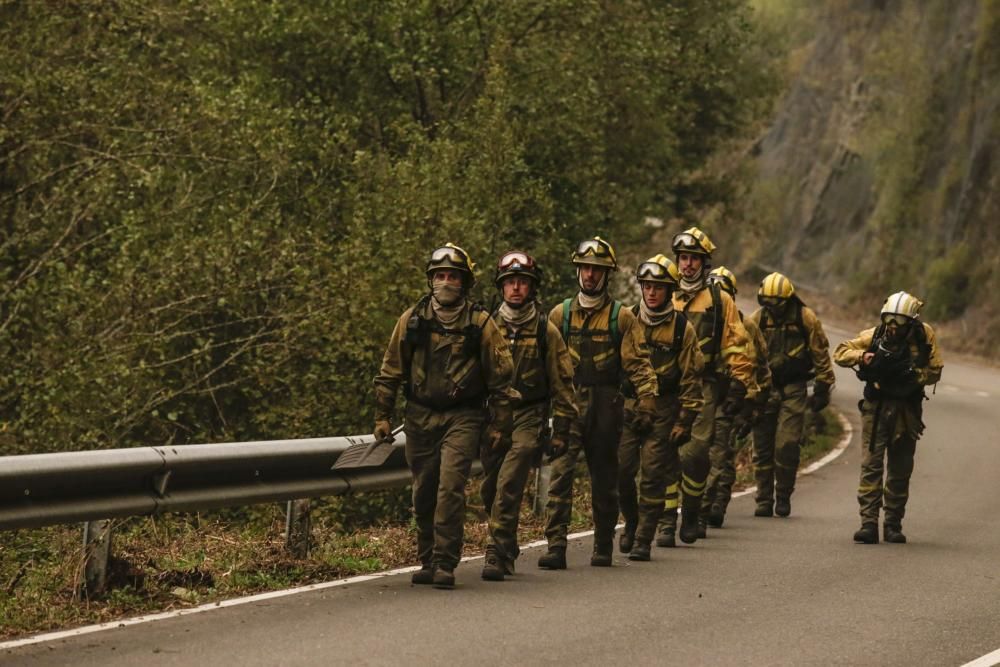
pixel 655 317
pixel 447 303
pixel 591 299
pixel 692 286
pixel 518 316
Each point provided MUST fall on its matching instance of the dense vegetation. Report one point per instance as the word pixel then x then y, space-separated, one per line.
pixel 211 213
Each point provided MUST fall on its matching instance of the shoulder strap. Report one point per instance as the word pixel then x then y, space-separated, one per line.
pixel 801 324
pixel 566 318
pixel 714 288
pixel 616 307
pixel 680 324
pixel 923 347
pixel 542 336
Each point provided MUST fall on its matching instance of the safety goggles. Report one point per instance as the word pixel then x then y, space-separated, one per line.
pixel 895 318
pixel 771 301
pixel 453 254
pixel 595 248
pixel 515 260
pixel 651 271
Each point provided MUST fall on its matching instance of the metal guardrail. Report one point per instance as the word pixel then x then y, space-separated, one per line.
pixel 44 489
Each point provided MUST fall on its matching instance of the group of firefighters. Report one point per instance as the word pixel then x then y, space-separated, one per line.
pixel 663 390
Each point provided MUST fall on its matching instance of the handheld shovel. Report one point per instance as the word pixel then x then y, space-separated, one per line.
pixel 367 454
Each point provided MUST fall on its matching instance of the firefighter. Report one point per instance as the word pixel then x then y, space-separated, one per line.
pixel 455 369
pixel 895 360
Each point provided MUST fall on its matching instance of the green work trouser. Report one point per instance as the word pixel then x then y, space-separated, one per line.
pixel 895 441
pixel 722 473
pixel 596 433
pixel 440 449
pixel 777 444
pixel 506 476
pixel 658 464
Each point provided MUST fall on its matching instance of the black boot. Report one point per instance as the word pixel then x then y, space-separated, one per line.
pixel 425 575
pixel 602 556
pixel 893 533
pixel 868 534
pixel 553 559
pixel 782 507
pixel 689 526
pixel 493 569
pixel 444 577
pixel 639 552
pixel 666 538
pixel 627 539
pixel 764 508
pixel 716 516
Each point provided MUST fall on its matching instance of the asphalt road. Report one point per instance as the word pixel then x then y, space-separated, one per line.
pixel 773 591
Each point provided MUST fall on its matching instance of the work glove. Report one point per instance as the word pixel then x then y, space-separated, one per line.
pixel 735 399
pixel 559 441
pixel 820 397
pixel 383 430
pixel 645 414
pixel 681 432
pixel 498 433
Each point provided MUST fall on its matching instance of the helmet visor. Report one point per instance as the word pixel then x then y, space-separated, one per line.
pixel 651 271
pixel 687 242
pixel 452 254
pixel 515 261
pixel 771 301
pixel 895 318
pixel 595 248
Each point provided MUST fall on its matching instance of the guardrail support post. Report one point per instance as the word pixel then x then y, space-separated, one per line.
pixel 298 528
pixel 97 552
pixel 542 476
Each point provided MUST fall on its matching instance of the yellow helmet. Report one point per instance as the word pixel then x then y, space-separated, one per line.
pixel 725 277
pixel 450 256
pixel 775 288
pixel 658 269
pixel 903 304
pixel 693 241
pixel 596 251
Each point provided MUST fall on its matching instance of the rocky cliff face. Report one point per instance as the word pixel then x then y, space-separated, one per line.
pixel 878 172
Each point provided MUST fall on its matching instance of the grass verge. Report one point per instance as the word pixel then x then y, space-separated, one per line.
pixel 182 560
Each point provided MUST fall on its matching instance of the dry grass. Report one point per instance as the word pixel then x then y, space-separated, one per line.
pixel 177 561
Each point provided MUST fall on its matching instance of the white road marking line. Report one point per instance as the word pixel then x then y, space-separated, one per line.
pixel 272 595
pixel 983 394
pixel 988 660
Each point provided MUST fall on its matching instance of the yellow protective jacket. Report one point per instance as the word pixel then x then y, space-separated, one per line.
pixel 758 347
pixel 678 369
pixel 597 358
pixel 444 369
pixel 797 347
pixel 537 379
pixel 721 334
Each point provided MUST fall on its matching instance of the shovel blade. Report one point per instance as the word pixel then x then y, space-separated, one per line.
pixel 365 455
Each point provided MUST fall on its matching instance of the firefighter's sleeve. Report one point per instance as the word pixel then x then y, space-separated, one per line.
pixel 819 347
pixel 691 363
pixel 390 375
pixel 849 352
pixel 635 355
pixel 759 348
pixel 734 348
pixel 560 374
pixel 935 364
pixel 497 364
